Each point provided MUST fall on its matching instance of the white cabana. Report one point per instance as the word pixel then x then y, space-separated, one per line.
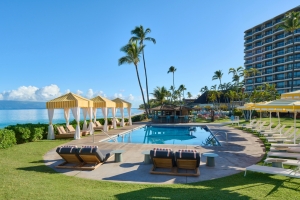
pixel 67 102
pixel 120 103
pixel 104 104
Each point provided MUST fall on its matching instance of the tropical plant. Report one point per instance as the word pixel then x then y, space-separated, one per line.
pixel 133 52
pixel 189 95
pixel 182 88
pixel 218 75
pixel 141 36
pixel 290 23
pixel 160 94
pixel 172 69
pixel 204 89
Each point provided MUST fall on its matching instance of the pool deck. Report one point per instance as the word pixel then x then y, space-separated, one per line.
pixel 237 151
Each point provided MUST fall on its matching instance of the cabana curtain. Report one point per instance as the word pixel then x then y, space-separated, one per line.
pixel 76 114
pixel 67 115
pixel 95 114
pixel 50 135
pixel 85 111
pixel 122 115
pixel 104 112
pixel 114 117
pixel 129 116
pixel 90 113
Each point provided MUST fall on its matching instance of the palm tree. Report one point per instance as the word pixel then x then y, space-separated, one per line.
pixel 160 93
pixel 181 89
pixel 172 69
pixel 290 23
pixel 140 35
pixel 237 71
pixel 254 72
pixel 204 89
pixel 218 75
pixel 189 95
pixel 133 51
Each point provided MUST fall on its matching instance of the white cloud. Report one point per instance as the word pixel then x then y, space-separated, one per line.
pixel 90 94
pixel 67 91
pixel 130 97
pixel 47 93
pixel 122 90
pixel 79 92
pixel 31 93
pixel 118 95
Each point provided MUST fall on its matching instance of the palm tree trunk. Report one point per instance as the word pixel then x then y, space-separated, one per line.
pixel 173 86
pixel 138 76
pixel 146 82
pixel 293 68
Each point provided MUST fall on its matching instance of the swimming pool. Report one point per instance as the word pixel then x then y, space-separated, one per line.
pixel 177 135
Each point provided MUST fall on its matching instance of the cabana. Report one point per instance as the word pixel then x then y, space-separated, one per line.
pixel 289 102
pixel 120 103
pixel 104 104
pixel 67 102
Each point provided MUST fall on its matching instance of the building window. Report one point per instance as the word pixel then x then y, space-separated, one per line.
pixel 268 32
pixel 258 80
pixel 249 81
pixel 297 66
pixel 279 44
pixel 268 40
pixel 259 65
pixel 279 36
pixel 269 71
pixel 248 66
pixel 258 43
pixel 279 76
pixel 267 48
pixel 280 91
pixel 249 88
pixel 280 85
pixel 279 60
pixel 269 78
pixel 279 68
pixel 268 55
pixel 268 63
pixel 258 36
pixel 279 52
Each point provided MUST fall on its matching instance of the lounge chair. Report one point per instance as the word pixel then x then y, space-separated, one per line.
pixel 285 137
pixel 93 156
pixel 162 158
pixel 274 132
pixel 72 130
pixel 71 157
pixel 252 125
pixel 188 159
pixel 84 158
pixel 262 128
pixel 98 126
pixel 283 155
pixel 271 130
pixel 273 170
pixel 259 127
pixel 63 133
pixel 119 123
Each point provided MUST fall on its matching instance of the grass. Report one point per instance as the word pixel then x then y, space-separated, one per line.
pixel 24 176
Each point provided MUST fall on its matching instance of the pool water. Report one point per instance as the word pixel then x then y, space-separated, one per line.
pixel 187 135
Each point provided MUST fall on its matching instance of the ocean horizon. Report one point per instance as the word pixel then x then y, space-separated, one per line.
pixel 34 116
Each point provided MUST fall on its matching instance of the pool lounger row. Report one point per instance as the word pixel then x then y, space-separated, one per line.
pixel 273 170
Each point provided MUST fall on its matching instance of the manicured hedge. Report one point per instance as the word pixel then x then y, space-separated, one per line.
pixel 7 138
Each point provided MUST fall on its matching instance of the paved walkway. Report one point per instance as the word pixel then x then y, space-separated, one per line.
pixel 236 152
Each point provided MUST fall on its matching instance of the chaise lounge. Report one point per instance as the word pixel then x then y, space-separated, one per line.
pixel 84 158
pixel 188 159
pixel 72 130
pixel 162 158
pixel 64 134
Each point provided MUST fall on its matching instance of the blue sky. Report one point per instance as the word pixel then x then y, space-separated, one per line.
pixel 48 48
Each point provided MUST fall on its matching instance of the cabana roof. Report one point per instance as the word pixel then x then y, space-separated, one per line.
pixel 102 102
pixel 120 103
pixel 166 107
pixel 69 100
pixel 291 95
pixel 279 105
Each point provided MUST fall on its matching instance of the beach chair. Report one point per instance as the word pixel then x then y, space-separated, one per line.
pixel 285 137
pixel 283 155
pixel 63 133
pixel 253 125
pixel 275 131
pixel 98 126
pixel 273 170
pixel 259 126
pixel 93 157
pixel 162 158
pixel 188 159
pixel 119 123
pixel 70 156
pixel 72 130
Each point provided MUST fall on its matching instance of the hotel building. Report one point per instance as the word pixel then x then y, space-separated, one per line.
pixel 270 50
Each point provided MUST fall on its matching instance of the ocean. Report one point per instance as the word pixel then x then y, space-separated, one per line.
pixel 12 117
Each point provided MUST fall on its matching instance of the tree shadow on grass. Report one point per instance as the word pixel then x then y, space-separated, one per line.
pixel 233 187
pixel 38 168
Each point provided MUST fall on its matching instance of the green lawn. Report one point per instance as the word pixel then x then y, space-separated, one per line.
pixel 24 176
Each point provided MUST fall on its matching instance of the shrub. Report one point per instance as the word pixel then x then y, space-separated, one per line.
pixel 237 112
pixel 7 138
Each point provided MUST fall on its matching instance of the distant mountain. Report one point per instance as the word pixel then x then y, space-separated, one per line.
pixel 14 105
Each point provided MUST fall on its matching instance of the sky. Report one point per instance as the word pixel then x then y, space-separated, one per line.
pixel 51 47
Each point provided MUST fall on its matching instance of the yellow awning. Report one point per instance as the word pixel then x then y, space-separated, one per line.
pixel 280 105
pixel 291 95
pixel 120 103
pixel 102 102
pixel 69 100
